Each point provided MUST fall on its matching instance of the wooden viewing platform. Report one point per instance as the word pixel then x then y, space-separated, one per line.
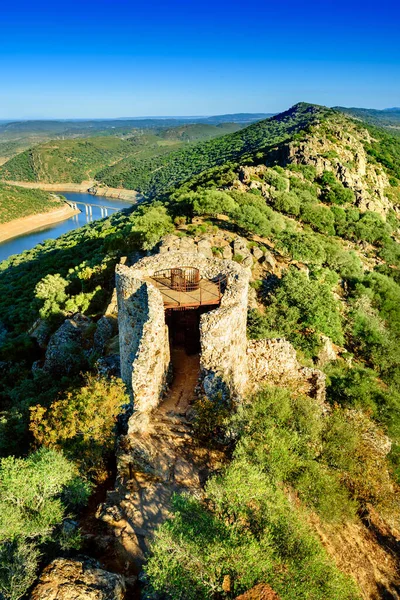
pixel 183 288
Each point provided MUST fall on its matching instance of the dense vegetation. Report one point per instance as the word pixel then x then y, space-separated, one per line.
pixel 246 529
pixel 154 175
pixel 389 118
pixel 337 279
pixel 17 202
pixel 74 158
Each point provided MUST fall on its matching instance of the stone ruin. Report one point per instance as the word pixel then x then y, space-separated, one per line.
pixel 145 339
pixel 229 363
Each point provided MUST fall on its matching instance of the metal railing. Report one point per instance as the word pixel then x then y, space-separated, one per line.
pixel 183 286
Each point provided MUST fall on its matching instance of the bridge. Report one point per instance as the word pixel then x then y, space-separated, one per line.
pixel 89 207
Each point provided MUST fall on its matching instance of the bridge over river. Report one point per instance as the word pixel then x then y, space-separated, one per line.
pixel 89 207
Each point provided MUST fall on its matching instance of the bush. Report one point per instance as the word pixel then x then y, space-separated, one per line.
pixel 319 217
pixel 18 565
pixel 307 247
pixel 286 202
pixel 246 531
pixel 334 192
pixel 30 489
pixel 300 309
pixel 82 424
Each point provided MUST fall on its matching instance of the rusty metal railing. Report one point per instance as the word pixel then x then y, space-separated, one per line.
pixel 183 286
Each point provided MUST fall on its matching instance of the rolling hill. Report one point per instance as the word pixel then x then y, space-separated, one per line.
pixel 80 158
pixel 151 176
pixel 17 202
pixel 388 118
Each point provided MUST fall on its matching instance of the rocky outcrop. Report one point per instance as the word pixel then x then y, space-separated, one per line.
pixel 78 579
pixel 341 150
pixel 274 362
pixel 65 347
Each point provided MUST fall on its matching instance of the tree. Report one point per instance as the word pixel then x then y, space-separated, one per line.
pixel 82 423
pixel 30 493
pixel 51 289
pixel 34 494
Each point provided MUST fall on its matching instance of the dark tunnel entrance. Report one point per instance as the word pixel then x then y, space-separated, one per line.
pixel 184 328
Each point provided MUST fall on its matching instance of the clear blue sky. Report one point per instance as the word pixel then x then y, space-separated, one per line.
pixel 127 58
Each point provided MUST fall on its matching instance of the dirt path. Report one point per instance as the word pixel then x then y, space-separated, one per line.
pixel 27 224
pixel 160 459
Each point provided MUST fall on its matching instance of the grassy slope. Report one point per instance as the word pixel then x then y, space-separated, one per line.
pixel 16 202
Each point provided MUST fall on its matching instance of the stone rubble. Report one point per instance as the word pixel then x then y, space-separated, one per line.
pixel 78 579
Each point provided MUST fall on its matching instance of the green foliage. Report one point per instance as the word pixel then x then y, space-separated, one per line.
pixel 18 565
pixel 211 202
pixel 34 494
pixel 51 289
pixel 287 202
pixel 300 309
pixel 150 224
pixel 30 494
pixel 247 529
pixel 333 192
pixel 82 423
pixel 319 217
pixel 210 418
pixel 385 149
pixel 17 202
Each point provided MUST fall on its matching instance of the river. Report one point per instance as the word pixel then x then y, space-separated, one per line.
pixel 27 241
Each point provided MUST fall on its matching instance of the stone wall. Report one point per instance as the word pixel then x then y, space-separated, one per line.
pixel 274 362
pixel 144 336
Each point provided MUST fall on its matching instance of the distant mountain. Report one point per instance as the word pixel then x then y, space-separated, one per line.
pixel 74 127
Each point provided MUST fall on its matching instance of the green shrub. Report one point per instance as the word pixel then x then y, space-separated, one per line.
pixel 286 202
pixel 319 217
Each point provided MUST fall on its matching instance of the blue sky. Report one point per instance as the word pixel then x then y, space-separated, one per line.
pixel 127 58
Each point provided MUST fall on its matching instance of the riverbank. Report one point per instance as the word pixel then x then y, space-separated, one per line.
pixel 28 224
pixel 91 187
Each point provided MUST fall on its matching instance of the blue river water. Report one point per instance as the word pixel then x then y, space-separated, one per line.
pixel 29 240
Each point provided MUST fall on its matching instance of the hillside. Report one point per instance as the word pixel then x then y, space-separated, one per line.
pixel 16 202
pixel 199 131
pixel 80 158
pixel 299 486
pixel 388 118
pixel 74 161
pixel 151 176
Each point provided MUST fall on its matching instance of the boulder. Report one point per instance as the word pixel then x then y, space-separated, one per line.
pixel 78 579
pixel 40 331
pixel 227 253
pixel 63 354
pixel 109 366
pixel 270 261
pixel 327 352
pixel 257 252
pixel 104 332
pixel 204 248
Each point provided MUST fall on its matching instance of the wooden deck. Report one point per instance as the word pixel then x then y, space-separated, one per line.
pixel 209 293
